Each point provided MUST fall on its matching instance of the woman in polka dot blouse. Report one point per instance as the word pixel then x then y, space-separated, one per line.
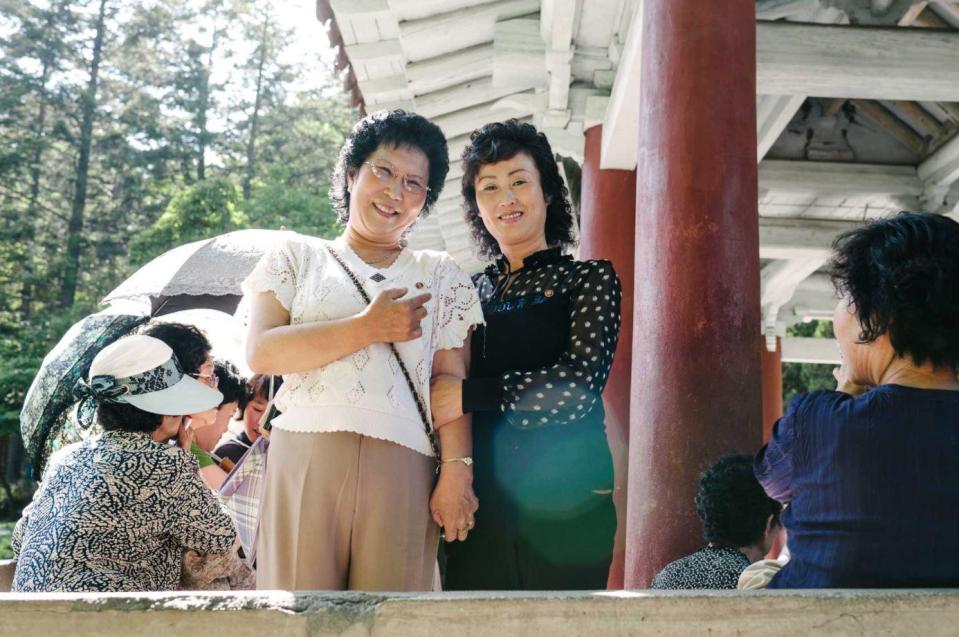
pixel 543 471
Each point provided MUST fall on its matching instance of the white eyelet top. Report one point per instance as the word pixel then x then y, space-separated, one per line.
pixel 364 392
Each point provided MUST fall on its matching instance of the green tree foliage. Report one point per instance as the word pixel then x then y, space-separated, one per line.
pixel 204 209
pixel 799 378
pixel 128 128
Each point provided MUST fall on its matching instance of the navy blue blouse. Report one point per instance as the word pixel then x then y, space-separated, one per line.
pixel 872 487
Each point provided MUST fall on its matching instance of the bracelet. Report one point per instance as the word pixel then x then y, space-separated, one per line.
pixel 468 461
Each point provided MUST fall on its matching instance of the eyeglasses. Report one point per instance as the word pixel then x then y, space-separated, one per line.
pixel 411 185
pixel 210 380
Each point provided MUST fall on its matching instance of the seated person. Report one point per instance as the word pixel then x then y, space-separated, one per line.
pixel 209 427
pixel 259 398
pixel 870 472
pixel 116 512
pixel 740 524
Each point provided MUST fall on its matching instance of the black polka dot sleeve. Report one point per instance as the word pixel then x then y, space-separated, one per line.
pixel 567 391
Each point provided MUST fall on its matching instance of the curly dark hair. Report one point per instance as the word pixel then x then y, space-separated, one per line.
pixel 231 384
pixel 396 128
pixel 126 417
pixel 732 504
pixel 189 344
pixel 901 274
pixel 503 140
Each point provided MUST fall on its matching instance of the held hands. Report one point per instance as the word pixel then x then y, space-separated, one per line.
pixel 391 320
pixel 446 399
pixel 453 503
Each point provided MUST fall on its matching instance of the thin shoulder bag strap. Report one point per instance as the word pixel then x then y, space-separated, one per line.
pixel 430 433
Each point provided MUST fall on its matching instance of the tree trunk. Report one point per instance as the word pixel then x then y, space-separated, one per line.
pixel 251 143
pixel 203 134
pixel 75 227
pixel 39 123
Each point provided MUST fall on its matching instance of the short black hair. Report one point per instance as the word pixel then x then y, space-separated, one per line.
pixel 189 344
pixel 396 128
pixel 258 387
pixel 126 417
pixel 230 383
pixel 902 275
pixel 732 504
pixel 500 141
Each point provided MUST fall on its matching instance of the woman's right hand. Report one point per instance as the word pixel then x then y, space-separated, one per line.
pixel 391 320
pixel 453 503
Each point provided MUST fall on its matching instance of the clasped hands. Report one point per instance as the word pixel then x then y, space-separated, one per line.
pixel 453 503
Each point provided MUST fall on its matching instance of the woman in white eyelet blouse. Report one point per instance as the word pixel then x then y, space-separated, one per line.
pixel 350 501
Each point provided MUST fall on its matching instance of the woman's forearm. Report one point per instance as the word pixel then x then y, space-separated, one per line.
pixel 288 349
pixel 456 438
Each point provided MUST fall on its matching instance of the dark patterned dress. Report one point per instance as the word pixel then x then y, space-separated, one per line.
pixel 115 513
pixel 709 568
pixel 543 471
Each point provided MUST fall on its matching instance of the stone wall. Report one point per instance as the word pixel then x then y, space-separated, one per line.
pixel 719 614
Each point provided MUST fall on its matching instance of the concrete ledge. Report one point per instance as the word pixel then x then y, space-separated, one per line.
pixel 930 613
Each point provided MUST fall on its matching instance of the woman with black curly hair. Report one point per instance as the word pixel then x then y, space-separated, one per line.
pixel 740 524
pixel 869 471
pixel 538 369
pixel 356 326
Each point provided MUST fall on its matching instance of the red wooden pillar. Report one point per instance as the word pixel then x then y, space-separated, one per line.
pixel 696 381
pixel 772 386
pixel 607 228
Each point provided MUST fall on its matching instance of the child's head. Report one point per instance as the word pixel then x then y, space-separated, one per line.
pixel 258 397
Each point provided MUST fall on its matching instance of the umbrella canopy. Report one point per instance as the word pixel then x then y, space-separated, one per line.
pixel 205 273
pixel 50 396
pixel 227 334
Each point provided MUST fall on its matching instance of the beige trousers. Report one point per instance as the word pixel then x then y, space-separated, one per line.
pixel 342 511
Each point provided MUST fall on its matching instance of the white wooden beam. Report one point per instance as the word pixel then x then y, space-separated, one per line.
pixel 797 239
pixel 558 35
pixel 406 10
pixel 940 175
pixel 519 54
pixel 797 349
pixel 371 60
pixel 815 298
pixel 464 122
pixel 362 21
pixel 779 281
pixel 857 62
pixel 835 178
pixel 448 32
pixel 942 167
pixel 435 74
pixel 464 96
pixel 621 126
pixel 773 114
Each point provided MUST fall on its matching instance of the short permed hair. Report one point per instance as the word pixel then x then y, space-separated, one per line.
pixel 395 128
pixel 500 141
pixel 189 344
pixel 231 384
pixel 732 504
pixel 901 274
